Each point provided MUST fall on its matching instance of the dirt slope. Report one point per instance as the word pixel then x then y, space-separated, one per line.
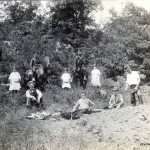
pixel 127 128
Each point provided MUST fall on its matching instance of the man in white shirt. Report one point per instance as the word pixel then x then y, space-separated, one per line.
pixel 34 96
pixel 66 80
pixel 133 82
pixel 83 104
pixel 14 79
pixel 95 77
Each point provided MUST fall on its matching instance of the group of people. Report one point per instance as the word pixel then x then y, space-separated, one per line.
pixel 86 106
pixel 34 95
pixel 67 79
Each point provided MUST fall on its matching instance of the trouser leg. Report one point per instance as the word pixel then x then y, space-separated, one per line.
pixel 66 88
pixel 39 103
pixel 133 98
pixel 119 105
pixel 16 91
pixel 28 102
pixel 34 73
pixel 12 93
pixel 139 97
pixel 84 84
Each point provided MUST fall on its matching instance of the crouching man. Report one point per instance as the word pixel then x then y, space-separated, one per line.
pixel 34 96
pixel 116 99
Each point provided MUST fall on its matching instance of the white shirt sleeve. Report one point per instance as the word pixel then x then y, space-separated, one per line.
pixel 91 103
pixel 39 93
pixel 76 106
pixel 121 99
pixel 10 76
pixel 28 94
pixel 99 73
pixel 19 76
pixel 62 77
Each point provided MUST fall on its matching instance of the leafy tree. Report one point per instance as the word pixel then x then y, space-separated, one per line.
pixel 128 40
pixel 70 19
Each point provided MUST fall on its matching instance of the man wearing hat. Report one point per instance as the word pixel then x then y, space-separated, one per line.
pixel 14 79
pixel 34 64
pixel 116 99
pixel 34 96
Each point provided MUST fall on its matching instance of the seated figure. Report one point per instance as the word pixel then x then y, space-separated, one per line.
pixel 33 95
pixel 116 99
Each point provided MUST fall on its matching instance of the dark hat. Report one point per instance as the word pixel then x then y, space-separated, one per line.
pixel 83 92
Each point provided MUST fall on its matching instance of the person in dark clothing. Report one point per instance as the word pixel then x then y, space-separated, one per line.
pixel 34 64
pixel 84 77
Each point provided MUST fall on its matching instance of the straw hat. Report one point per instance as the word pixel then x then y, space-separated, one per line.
pixel 31 82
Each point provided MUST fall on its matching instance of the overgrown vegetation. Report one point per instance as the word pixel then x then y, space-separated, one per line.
pixel 123 40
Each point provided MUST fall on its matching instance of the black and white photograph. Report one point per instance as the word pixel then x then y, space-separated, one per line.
pixel 74 75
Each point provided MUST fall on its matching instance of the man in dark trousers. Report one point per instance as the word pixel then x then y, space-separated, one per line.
pixel 34 64
pixel 133 82
pixel 84 76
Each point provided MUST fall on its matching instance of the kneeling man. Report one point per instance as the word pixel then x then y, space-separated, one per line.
pixel 34 96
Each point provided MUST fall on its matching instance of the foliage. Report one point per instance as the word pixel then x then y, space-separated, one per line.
pixel 124 39
pixel 70 19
